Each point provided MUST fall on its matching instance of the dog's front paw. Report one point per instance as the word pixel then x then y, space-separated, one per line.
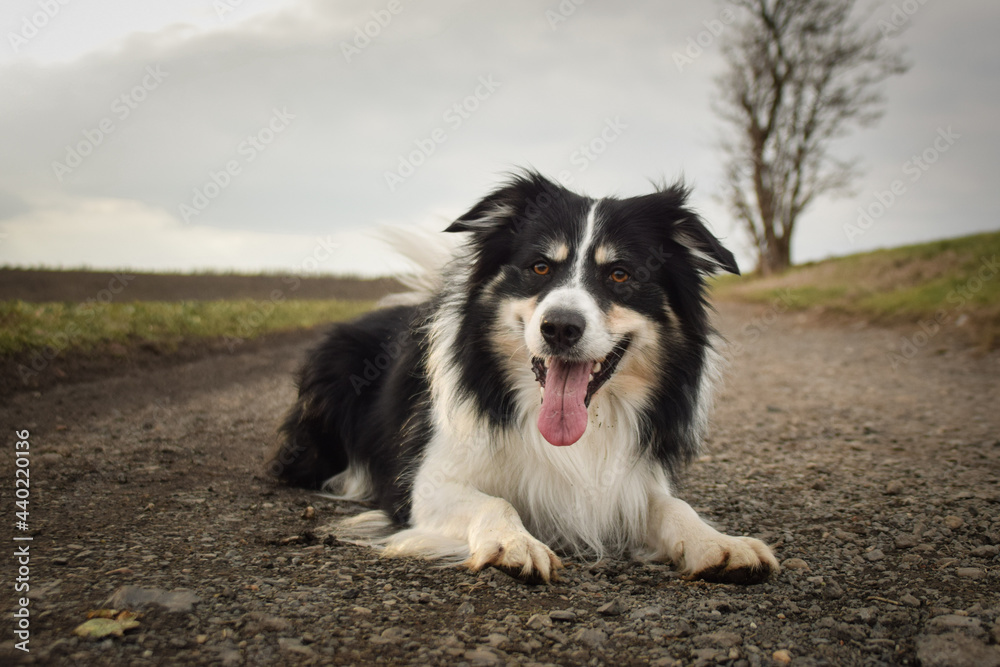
pixel 738 560
pixel 518 553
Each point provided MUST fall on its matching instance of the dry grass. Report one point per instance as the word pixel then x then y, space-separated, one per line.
pixel 954 282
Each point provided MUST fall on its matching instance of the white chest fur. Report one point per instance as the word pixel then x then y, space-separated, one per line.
pixel 590 498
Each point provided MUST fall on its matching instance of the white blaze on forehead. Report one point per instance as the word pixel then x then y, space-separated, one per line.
pixel 583 250
pixel 597 341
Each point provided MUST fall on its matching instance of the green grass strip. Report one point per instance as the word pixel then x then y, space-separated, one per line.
pixel 25 327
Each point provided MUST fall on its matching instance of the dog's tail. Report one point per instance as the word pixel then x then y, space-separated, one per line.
pixel 377 529
pixel 310 452
pixel 428 252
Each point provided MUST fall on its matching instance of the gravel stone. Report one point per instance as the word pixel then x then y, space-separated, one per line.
pixel 394 634
pixel 833 591
pixel 483 657
pixel 562 616
pixel 795 564
pixel 646 612
pixel 970 573
pixel 782 657
pixel 539 622
pixel 894 487
pixel 294 646
pixel 614 608
pixel 590 637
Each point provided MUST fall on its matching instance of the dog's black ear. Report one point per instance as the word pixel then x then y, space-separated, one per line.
pixel 496 220
pixel 708 253
pixel 506 204
pixel 690 232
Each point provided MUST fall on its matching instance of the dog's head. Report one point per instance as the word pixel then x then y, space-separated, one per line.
pixel 589 294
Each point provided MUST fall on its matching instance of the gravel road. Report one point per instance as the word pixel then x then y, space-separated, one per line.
pixel 879 489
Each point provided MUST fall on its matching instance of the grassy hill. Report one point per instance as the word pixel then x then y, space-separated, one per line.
pixel 954 283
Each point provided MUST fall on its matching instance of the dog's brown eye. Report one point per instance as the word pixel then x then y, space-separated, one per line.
pixel 542 268
pixel 620 275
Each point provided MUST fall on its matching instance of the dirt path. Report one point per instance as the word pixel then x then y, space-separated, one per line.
pixel 880 489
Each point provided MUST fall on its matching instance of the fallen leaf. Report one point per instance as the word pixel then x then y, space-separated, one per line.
pixel 107 622
pixel 99 628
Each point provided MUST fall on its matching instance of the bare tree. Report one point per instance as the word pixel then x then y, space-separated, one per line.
pixel 800 73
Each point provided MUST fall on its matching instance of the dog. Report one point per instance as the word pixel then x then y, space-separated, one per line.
pixel 541 396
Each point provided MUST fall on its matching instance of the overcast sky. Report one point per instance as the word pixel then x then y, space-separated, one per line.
pixel 258 134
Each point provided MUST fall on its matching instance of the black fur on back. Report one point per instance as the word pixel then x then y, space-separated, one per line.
pixel 363 398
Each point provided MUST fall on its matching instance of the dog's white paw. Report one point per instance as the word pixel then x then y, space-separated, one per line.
pixel 723 558
pixel 518 553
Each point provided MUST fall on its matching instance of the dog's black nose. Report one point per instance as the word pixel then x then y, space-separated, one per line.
pixel 562 329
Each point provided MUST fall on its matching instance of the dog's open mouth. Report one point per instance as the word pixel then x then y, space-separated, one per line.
pixel 567 387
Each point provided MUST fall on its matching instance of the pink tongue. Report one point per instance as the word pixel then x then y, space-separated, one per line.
pixel 564 416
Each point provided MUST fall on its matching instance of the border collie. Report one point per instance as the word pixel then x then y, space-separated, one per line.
pixel 541 399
